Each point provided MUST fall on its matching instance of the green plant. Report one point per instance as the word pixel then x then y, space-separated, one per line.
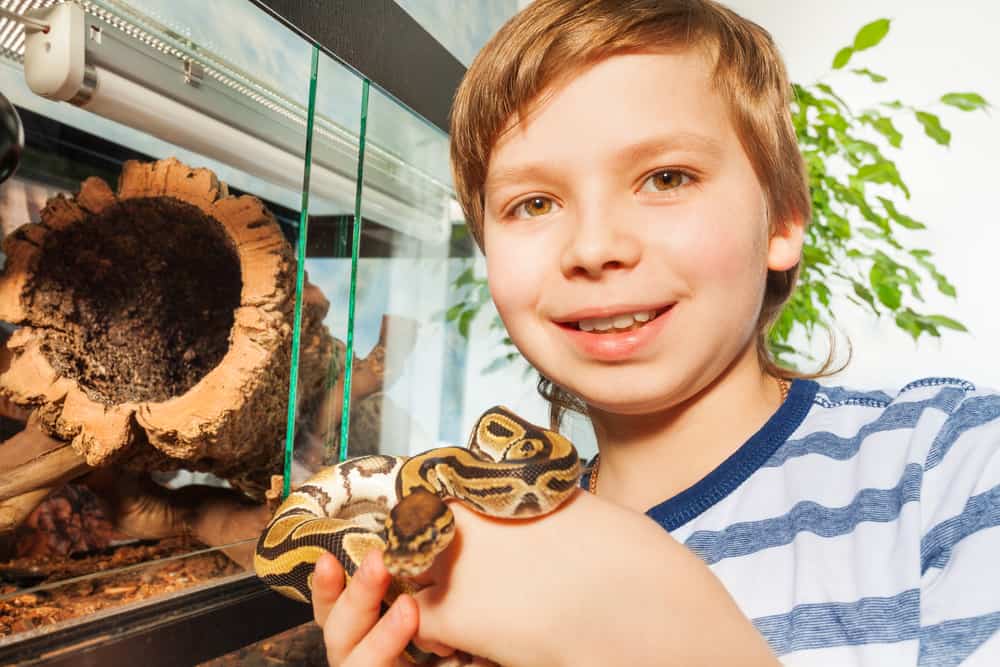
pixel 852 244
pixel 471 295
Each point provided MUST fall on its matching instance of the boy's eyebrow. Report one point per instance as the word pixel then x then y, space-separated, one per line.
pixel 661 144
pixel 514 175
pixel 628 155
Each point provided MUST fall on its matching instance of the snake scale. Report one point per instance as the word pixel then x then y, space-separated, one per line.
pixel 509 469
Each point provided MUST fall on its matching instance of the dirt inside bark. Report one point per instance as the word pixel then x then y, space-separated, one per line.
pixel 137 301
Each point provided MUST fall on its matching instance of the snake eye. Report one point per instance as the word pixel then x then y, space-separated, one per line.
pixel 498 430
pixel 527 448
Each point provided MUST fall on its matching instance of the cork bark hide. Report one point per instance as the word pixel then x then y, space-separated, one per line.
pixel 155 325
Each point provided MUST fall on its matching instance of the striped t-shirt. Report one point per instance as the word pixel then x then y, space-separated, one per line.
pixel 860 527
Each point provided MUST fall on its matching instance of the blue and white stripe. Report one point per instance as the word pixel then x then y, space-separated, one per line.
pixel 867 529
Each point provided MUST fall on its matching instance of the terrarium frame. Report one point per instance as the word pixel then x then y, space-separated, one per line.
pixel 169 631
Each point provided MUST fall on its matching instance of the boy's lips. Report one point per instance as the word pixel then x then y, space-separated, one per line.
pixel 611 345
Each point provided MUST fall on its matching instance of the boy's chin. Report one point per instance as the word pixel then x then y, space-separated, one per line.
pixel 632 401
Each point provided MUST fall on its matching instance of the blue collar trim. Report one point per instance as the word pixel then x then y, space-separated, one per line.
pixel 716 485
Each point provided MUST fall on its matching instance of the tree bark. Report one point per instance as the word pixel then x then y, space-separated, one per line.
pixel 155 326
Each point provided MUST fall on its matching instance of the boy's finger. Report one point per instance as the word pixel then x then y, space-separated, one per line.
pixel 327 585
pixel 435 647
pixel 357 609
pixel 386 641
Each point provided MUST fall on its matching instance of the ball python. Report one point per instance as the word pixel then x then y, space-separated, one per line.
pixel 509 469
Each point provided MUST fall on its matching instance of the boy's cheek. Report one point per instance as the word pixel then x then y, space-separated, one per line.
pixel 722 252
pixel 514 278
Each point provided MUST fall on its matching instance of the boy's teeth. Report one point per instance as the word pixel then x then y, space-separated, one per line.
pixel 625 321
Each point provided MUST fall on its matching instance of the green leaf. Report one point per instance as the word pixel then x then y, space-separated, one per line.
pixel 465 277
pixel 834 120
pixel 822 293
pixel 895 104
pixel 842 57
pixel 908 323
pixel 946 322
pixel 885 284
pixel 965 101
pixel 882 172
pixel 829 91
pixel 890 295
pixel 839 225
pixel 877 78
pixel 860 147
pixel 933 128
pixel 883 125
pixel 464 322
pixel 454 312
pixel 903 220
pixel 871 34
pixel 865 294
pixel 879 172
pixel 781 348
pixel 944 286
pixel 813 255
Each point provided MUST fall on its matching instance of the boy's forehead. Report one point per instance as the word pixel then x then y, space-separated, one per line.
pixel 625 98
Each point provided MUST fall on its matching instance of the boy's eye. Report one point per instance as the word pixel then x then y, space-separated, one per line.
pixel 668 179
pixel 534 207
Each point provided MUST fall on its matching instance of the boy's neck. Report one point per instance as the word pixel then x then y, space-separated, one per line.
pixel 646 459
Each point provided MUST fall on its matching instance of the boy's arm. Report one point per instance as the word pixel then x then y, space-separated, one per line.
pixel 960 510
pixel 591 584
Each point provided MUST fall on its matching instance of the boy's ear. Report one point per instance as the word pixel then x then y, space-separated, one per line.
pixel 784 250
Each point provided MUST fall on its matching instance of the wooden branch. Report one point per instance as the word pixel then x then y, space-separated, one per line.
pixel 14 511
pixel 29 443
pixel 50 469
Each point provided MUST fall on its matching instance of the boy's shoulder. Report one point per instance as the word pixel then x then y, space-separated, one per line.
pixel 928 415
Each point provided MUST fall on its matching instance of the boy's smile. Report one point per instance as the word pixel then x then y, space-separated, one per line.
pixel 626 234
pixel 614 334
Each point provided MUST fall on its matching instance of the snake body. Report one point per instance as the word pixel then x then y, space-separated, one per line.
pixel 509 469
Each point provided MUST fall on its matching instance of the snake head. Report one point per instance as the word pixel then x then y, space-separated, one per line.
pixel 418 528
pixel 501 435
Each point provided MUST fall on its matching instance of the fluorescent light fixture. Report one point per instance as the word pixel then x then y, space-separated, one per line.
pixel 118 73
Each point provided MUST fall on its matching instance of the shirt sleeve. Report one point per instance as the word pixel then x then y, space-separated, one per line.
pixel 960 545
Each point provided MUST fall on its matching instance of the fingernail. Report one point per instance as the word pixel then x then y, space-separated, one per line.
pixel 320 567
pixel 368 565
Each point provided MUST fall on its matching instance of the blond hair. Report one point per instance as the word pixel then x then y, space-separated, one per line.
pixel 552 39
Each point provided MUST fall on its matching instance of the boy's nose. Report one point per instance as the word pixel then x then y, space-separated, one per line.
pixel 597 244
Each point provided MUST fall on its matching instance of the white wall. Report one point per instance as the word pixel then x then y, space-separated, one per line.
pixel 930 50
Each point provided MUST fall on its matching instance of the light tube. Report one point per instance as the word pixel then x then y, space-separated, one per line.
pixel 123 101
pixel 55 67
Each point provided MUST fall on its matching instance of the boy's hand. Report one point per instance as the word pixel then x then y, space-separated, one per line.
pixel 354 634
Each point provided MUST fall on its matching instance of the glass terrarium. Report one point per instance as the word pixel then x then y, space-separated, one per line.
pixel 148 300
pixel 228 261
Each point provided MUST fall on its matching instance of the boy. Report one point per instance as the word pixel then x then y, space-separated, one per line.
pixel 630 170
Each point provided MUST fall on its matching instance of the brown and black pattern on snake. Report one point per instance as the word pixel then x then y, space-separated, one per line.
pixel 510 469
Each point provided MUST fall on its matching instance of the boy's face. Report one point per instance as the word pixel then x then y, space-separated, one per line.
pixel 625 202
